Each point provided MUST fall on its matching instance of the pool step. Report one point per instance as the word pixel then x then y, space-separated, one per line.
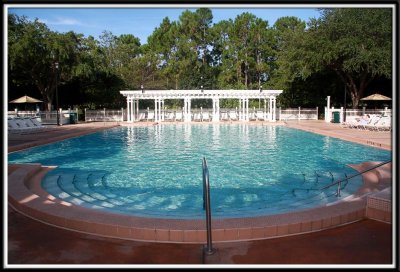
pixel 178 231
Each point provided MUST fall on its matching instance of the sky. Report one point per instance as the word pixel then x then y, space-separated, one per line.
pixel 140 20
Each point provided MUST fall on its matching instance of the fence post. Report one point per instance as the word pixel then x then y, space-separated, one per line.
pixel 317 114
pixel 122 113
pixel 85 114
pixel 61 116
pixel 77 114
pixel 363 110
pixel 341 115
pixel 384 111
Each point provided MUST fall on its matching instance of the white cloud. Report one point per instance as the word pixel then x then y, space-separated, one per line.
pixel 62 21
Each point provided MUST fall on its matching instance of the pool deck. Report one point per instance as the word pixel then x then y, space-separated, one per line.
pixel 370 238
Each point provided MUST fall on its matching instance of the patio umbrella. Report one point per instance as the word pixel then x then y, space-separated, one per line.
pixel 376 97
pixel 26 100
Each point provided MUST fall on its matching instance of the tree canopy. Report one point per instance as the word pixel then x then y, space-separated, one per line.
pixel 349 47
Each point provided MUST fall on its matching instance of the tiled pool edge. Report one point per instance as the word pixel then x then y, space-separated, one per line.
pixel 26 196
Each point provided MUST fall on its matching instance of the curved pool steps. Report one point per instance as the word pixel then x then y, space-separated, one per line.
pixel 27 196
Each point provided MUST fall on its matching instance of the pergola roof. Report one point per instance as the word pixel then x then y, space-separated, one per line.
pixel 199 94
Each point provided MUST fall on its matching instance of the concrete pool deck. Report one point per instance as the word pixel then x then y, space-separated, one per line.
pixel 22 141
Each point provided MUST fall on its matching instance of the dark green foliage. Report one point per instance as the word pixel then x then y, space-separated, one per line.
pixel 344 47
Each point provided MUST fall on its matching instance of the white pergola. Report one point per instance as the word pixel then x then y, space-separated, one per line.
pixel 133 97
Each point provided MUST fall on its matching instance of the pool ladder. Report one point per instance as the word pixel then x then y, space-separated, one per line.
pixel 206 205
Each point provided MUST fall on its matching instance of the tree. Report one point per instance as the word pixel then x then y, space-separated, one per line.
pixel 33 52
pixel 355 43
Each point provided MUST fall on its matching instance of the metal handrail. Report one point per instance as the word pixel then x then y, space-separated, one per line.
pixel 206 204
pixel 339 182
pixel 357 174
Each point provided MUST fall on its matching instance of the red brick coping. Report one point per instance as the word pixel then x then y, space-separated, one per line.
pixel 26 195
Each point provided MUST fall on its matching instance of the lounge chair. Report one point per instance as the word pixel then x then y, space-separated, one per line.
pixel 197 116
pixel 178 116
pixel 382 124
pixel 260 115
pixel 205 116
pixel 224 116
pixel 233 116
pixel 150 115
pixel 19 125
pixel 170 116
pixel 252 116
pixel 368 121
pixel 142 116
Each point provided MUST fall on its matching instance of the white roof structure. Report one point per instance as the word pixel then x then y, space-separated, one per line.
pixel 133 97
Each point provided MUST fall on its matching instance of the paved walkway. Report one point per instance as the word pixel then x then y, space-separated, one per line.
pixel 362 243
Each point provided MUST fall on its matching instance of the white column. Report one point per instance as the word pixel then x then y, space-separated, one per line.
pixel 328 106
pixel 137 108
pixel 190 109
pixel 240 109
pixel 128 113
pixel 265 109
pixel 133 110
pixel 162 108
pixel 247 109
pixel 187 112
pixel 215 117
pixel 155 110
pixel 270 109
pixel 274 109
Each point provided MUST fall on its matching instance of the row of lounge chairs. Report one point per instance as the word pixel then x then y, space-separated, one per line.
pixel 25 125
pixel 201 116
pixel 373 122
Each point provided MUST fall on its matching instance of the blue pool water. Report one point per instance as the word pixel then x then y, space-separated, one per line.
pixel 157 171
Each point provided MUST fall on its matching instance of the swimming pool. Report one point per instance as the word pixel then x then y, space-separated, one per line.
pixel 156 171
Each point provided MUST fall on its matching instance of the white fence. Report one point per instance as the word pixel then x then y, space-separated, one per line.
pixel 200 114
pixel 104 115
pixel 352 113
pixel 49 117
pixel 297 114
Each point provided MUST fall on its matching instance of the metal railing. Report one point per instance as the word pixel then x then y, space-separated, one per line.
pixel 338 182
pixel 206 205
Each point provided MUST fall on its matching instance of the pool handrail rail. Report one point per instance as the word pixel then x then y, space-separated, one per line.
pixel 356 174
pixel 338 182
pixel 208 250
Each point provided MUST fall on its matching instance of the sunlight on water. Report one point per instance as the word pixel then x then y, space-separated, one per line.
pixel 157 170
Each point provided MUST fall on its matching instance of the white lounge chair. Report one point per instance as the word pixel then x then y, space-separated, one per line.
pixel 260 115
pixel 384 123
pixel 252 116
pixel 197 116
pixel 370 121
pixel 170 116
pixel 224 116
pixel 233 116
pixel 142 116
pixel 178 116
pixel 19 125
pixel 205 116
pixel 150 116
